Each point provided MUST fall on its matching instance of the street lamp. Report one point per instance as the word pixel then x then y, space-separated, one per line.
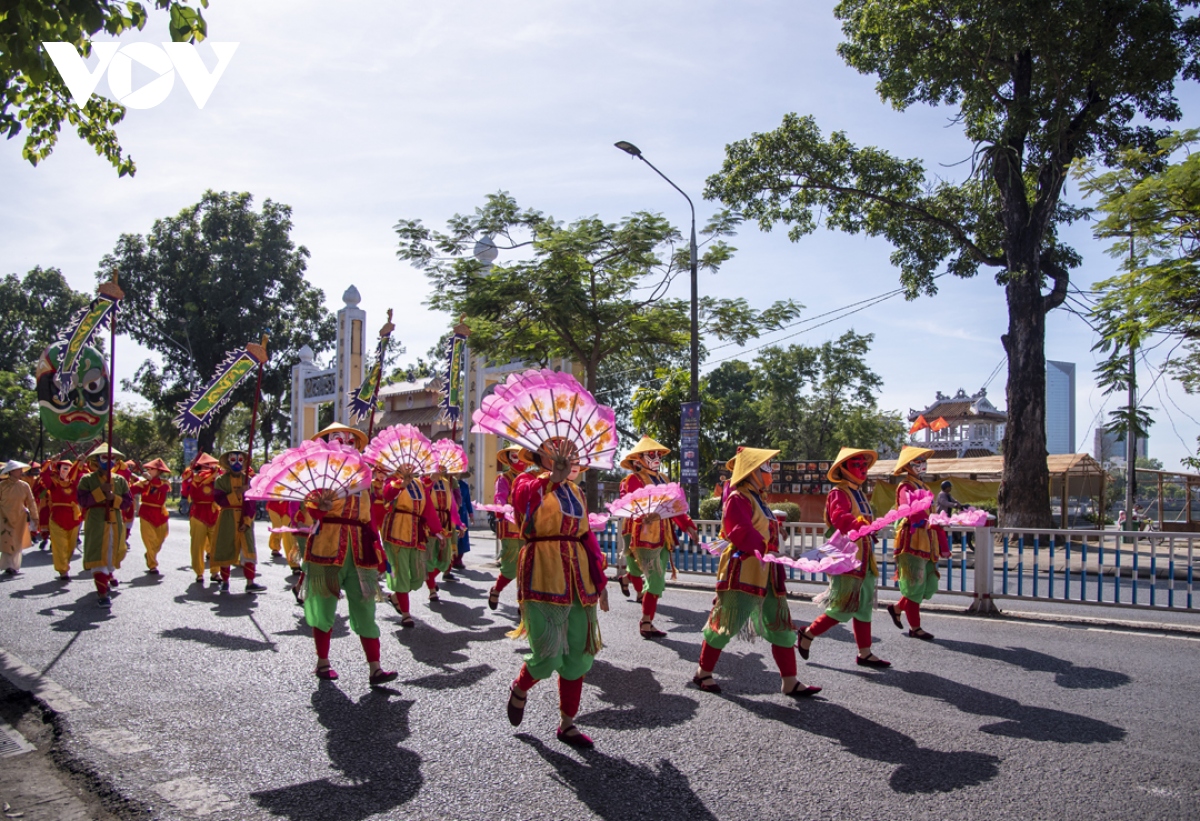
pixel 694 389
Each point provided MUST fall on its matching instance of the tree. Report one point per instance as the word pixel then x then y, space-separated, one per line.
pixel 735 419
pixel 585 291
pixel 142 434
pixel 33 95
pixel 1036 86
pixel 210 280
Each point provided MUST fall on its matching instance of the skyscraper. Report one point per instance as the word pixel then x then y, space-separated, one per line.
pixel 1060 407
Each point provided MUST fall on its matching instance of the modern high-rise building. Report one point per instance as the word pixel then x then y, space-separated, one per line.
pixel 1110 447
pixel 1060 407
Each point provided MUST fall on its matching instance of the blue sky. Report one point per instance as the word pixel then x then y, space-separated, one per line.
pixel 363 113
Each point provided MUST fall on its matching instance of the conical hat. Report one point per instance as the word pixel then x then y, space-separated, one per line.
pixel 101 450
pixel 908 454
pixel 205 460
pixel 157 464
pixel 747 461
pixel 360 438
pixel 646 445
pixel 502 464
pixel 11 465
pixel 835 472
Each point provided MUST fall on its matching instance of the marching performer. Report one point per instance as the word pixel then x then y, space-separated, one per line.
pixel 649 541
pixel 851 594
pixel 509 466
pixel 748 589
pixel 36 478
pixel 411 520
pixel 104 495
pixel 283 543
pixel 234 539
pixel 439 553
pixel 18 508
pixel 153 491
pixel 918 547
pixel 341 555
pixel 197 488
pixel 61 480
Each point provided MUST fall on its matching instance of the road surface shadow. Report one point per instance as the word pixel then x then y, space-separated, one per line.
pixel 455 679
pixel 433 648
pixel 341 627
pixel 51 589
pixel 1018 720
pixel 618 790
pixel 1066 674
pixel 213 638
pixel 362 743
pixel 686 621
pixel 637 699
pixel 919 770
pixel 470 616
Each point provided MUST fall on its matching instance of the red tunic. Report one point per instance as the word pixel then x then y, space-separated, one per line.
pixel 200 492
pixel 63 506
pixel 504 484
pixel 154 500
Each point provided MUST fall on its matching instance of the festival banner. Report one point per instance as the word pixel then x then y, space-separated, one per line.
pixel 365 398
pixel 76 336
pixel 199 409
pixel 452 378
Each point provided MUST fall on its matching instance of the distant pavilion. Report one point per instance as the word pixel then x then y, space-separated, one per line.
pixel 972 426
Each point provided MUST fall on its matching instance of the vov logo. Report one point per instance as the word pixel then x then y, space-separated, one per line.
pixel 118 61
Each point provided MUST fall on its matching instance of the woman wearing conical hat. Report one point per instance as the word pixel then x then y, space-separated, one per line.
pixel 17 505
pixel 851 594
pixel 234 539
pixel 510 464
pixel 409 523
pixel 919 545
pixel 103 494
pixel 153 491
pixel 649 540
pixel 749 589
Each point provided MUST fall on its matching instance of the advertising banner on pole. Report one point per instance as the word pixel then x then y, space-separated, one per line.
pixel 689 446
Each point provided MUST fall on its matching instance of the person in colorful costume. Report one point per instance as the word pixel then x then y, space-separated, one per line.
pixel 234 539
pixel 18 508
pixel 341 554
pixel 852 594
pixel 197 488
pixel 61 480
pixel 509 466
pixel 104 495
pixel 649 541
pixel 283 543
pixel 466 514
pixel 560 582
pixel 410 521
pixel 919 546
pixel 153 491
pixel 749 589
pixel 439 553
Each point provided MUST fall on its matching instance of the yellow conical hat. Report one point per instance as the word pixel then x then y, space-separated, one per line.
pixel 747 461
pixel 502 463
pixel 647 445
pixel 101 450
pixel 908 454
pixel 360 438
pixel 835 472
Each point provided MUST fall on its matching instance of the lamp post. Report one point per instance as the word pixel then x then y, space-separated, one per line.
pixel 694 388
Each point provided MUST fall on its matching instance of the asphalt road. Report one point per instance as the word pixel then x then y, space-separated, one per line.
pixel 192 703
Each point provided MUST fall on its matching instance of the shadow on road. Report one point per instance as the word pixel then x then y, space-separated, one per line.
pixel 433 648
pixel 637 699
pixel 455 679
pixel 1066 674
pixel 617 790
pixel 362 743
pixel 213 638
pixel 919 770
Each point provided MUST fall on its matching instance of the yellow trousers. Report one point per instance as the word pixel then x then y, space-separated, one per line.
pixel 202 538
pixel 291 548
pixel 62 547
pixel 152 539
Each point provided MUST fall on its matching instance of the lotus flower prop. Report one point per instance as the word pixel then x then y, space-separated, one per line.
pixel 971 517
pixel 329 468
pixel 546 408
pixel 838 555
pixel 598 521
pixel 401 449
pixel 919 502
pixel 450 456
pixel 500 510
pixel 666 500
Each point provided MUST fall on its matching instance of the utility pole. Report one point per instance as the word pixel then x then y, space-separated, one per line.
pixel 1131 420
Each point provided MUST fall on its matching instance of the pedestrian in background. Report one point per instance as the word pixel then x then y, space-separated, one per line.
pixel 466 512
pixel 17 509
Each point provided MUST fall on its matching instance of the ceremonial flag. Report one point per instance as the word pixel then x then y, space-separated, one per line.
pixel 939 424
pixel 365 398
pixel 199 409
pixel 920 424
pixel 452 378
pixel 100 311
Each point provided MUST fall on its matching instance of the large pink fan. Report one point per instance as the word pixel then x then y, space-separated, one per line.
pixel 971 517
pixel 666 500
pixel 401 449
pixel 329 469
pixel 919 502
pixel 597 521
pixel 500 510
pixel 838 555
pixel 450 456
pixel 551 411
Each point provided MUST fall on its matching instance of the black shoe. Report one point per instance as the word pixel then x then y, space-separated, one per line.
pixel 104 601
pixel 624 583
pixel 891 608
pixel 449 577
pixel 872 661
pixel 918 633
pixel 493 599
pixel 800 648
pixel 113 583
pixel 252 587
pixel 800 691
pixel 224 586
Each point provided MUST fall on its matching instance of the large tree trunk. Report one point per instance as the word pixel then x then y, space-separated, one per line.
pixel 1025 484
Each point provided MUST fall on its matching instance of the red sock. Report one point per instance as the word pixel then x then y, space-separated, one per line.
pixel 402 601
pixel 821 624
pixel 370 647
pixel 525 679
pixel 569 693
pixel 101 580
pixel 322 637
pixel 862 633
pixel 914 615
pixel 430 580
pixel 225 574
pixel 785 660
pixel 502 582
pixel 637 583
pixel 249 571
pixel 649 606
pixel 708 657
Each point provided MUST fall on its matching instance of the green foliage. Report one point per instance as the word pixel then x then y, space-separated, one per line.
pixel 710 509
pixel 33 310
pixel 208 281
pixel 33 95
pixel 142 434
pixel 790 508
pixel 657 412
pixel 18 418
